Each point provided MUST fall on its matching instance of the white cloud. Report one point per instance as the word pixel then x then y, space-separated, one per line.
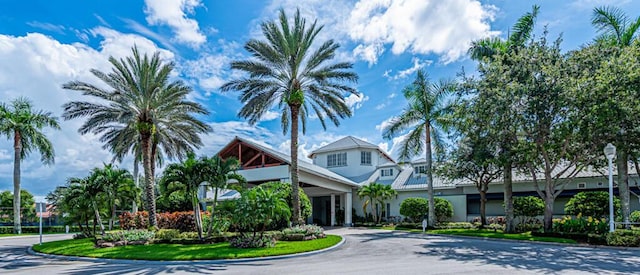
pixel 417 65
pixel 354 101
pixel 420 26
pixel 224 132
pixel 47 26
pixel 174 13
pixel 369 52
pixel 211 69
pixel 384 147
pixel 35 66
pixel 384 124
pixel 590 4
pixel 270 115
pixel 139 28
pixel 381 106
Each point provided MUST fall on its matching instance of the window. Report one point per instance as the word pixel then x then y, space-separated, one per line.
pixel 339 159
pixel 387 172
pixel 365 158
pixel 422 169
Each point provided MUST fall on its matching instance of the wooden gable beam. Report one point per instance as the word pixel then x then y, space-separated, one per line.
pixel 253 158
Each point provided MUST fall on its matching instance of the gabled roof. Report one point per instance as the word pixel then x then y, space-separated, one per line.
pixel 302 164
pixel 348 142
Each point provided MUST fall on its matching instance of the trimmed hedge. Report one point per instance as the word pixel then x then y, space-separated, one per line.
pixel 622 237
pixel 36 229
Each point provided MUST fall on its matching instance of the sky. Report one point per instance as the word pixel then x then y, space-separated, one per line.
pixel 44 44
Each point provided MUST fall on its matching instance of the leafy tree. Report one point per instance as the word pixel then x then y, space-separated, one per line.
pixel 142 107
pixel 475 158
pixel 288 71
pixel 118 188
pixel 617 30
pixel 190 173
pixel 20 122
pixel 591 204
pixel 497 107
pixel 423 121
pixel 222 171
pixel 414 208
pixel 28 209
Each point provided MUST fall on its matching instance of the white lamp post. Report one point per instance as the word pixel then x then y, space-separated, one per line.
pixel 610 152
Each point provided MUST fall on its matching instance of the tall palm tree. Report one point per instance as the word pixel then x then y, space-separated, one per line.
pixel 289 72
pixel 20 122
pixel 423 121
pixel 140 106
pixel 618 30
pixel 222 171
pixel 190 173
pixel 484 50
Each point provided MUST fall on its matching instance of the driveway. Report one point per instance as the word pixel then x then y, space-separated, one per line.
pixel 365 251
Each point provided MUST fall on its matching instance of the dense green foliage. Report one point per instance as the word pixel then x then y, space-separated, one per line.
pixel 284 190
pixel 375 196
pixel 591 204
pixel 620 237
pixel 414 208
pixel 27 211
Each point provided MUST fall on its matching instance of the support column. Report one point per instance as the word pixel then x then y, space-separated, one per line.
pixel 347 209
pixel 333 209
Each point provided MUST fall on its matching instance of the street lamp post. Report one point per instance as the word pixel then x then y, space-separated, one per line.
pixel 610 152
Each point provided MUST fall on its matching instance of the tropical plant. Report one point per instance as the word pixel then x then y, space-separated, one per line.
pixel 369 193
pixel 141 108
pixel 92 189
pixel 288 71
pixel 20 122
pixel 256 209
pixel 527 209
pixel 425 120
pixel 219 178
pixel 284 190
pixel 385 193
pixel 591 204
pixel 27 211
pixel 504 133
pixel 191 173
pixel 118 188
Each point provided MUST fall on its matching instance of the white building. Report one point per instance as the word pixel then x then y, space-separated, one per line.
pixel 341 167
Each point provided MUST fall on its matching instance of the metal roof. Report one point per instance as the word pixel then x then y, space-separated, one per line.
pixel 302 164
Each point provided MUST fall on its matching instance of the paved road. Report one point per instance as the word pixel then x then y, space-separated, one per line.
pixel 365 252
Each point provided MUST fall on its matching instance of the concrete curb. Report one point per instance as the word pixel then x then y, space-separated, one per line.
pixel 30 251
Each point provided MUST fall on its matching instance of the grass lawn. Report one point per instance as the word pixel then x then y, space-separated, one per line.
pixel 487 233
pixel 168 252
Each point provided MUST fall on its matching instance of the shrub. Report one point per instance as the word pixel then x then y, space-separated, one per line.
pixel 630 238
pixel 167 234
pixel 456 225
pixel 284 191
pixel 36 229
pixel 182 221
pixel 247 241
pixel 580 225
pixel 529 206
pixel 635 216
pixel 128 236
pixel 414 208
pixel 591 204
pixel 444 210
pixel 303 233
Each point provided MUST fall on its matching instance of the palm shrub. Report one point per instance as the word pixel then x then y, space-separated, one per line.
pixel 591 204
pixel 284 190
pixel 256 209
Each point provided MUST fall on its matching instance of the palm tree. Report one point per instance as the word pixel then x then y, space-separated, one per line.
pixel 222 171
pixel 117 185
pixel 424 119
pixel 369 192
pixel 384 193
pixel 24 125
pixel 485 50
pixel 141 106
pixel 92 189
pixel 288 71
pixel 190 173
pixel 618 30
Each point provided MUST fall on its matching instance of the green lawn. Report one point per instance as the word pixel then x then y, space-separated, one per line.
pixel 487 233
pixel 168 252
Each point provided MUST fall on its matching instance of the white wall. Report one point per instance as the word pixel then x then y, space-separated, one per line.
pixel 353 168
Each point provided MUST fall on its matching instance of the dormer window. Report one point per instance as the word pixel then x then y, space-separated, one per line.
pixel 422 169
pixel 365 158
pixel 338 159
pixel 386 172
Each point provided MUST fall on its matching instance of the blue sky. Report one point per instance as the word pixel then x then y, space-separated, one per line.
pixel 44 44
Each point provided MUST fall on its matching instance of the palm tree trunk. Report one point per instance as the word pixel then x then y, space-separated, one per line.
pixel 148 177
pixel 431 217
pixel 196 215
pixel 98 219
pixel 623 185
pixel 213 211
pixel 113 216
pixel 17 154
pixel 134 205
pixel 295 183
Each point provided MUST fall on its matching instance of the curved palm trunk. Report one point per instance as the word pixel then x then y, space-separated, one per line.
pixel 97 213
pixel 148 178
pixel 213 211
pixel 431 219
pixel 196 214
pixel 17 146
pixel 295 183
